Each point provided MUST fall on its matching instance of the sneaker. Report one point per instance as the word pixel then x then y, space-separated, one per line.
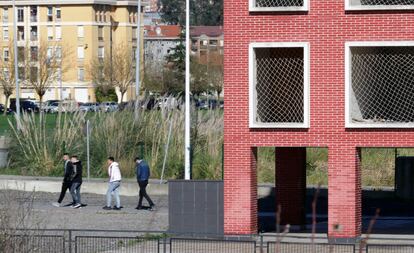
pixel 106 208
pixel 76 205
pixel 119 207
pixel 56 204
pixel 139 208
pixel 116 208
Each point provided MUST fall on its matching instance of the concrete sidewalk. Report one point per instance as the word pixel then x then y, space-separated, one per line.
pixel 94 186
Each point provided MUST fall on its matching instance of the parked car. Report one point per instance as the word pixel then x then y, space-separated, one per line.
pixel 108 106
pixel 25 105
pixel 2 108
pixel 89 107
pixel 49 105
pixel 168 103
pixel 64 106
pixel 210 104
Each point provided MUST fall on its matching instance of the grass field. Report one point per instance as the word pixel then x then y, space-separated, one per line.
pixel 378 166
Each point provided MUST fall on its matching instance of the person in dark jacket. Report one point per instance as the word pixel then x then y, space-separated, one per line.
pixel 143 173
pixel 76 181
pixel 67 181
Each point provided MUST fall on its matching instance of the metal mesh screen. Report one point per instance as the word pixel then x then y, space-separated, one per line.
pixel 387 2
pixel 279 85
pixel 211 246
pixel 84 244
pixel 279 3
pixel 382 84
pixel 272 247
pixel 390 248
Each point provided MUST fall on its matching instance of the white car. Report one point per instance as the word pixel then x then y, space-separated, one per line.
pixel 109 106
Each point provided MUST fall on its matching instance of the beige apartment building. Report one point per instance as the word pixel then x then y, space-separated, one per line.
pixel 85 28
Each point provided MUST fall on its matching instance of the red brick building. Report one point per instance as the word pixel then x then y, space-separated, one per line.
pixel 313 73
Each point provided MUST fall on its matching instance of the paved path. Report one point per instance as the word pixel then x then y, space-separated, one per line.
pixel 94 217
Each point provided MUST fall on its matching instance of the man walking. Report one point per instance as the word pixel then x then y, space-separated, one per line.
pixel 113 186
pixel 142 171
pixel 67 182
pixel 76 181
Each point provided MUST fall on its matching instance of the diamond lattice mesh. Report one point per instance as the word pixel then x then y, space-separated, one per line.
pixel 387 2
pixel 382 84
pixel 279 85
pixel 279 3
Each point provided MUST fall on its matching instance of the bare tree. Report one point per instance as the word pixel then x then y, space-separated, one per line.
pixel 114 70
pixel 7 75
pixel 216 75
pixel 123 64
pixel 43 65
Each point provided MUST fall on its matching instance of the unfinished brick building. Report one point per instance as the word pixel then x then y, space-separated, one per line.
pixel 337 74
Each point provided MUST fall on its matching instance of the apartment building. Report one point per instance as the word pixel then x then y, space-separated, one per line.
pixel 86 29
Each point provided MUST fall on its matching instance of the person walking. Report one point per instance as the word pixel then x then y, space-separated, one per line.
pixel 67 182
pixel 142 171
pixel 76 181
pixel 113 186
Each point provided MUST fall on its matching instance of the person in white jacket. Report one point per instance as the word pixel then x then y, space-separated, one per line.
pixel 114 183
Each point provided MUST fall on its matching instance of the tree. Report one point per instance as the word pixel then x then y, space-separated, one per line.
pixel 115 70
pixel 199 77
pixel 216 75
pixel 202 12
pixel 43 66
pixel 7 76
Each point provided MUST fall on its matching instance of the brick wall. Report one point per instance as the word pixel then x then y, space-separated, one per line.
pixel 326 26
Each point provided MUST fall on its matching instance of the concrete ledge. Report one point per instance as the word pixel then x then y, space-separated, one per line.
pixel 129 187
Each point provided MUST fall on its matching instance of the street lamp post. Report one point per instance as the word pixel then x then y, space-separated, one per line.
pixel 187 93
pixel 16 70
pixel 138 59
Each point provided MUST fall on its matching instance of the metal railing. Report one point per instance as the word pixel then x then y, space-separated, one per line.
pixel 126 241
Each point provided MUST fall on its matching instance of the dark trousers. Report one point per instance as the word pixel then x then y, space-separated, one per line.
pixel 75 192
pixel 143 193
pixel 65 187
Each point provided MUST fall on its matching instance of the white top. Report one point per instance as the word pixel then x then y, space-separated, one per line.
pixel 114 172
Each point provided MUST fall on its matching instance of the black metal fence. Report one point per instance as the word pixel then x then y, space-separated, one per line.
pixel 117 241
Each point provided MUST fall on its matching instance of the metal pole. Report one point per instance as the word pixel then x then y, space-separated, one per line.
pixel 138 59
pixel 187 92
pixel 60 81
pixel 16 70
pixel 87 149
pixel 166 149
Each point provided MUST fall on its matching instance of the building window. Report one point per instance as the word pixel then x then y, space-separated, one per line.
pixel 21 53
pixel 20 14
pixel 58 32
pixel 20 33
pixel 58 13
pixel 58 52
pixel 33 53
pixel 279 85
pixel 378 84
pixel 100 33
pixel 6 54
pixel 80 31
pixel 379 4
pixel 49 33
pixel 49 13
pixel 49 52
pixel 5 33
pixel 101 52
pixel 134 52
pixel 33 13
pixel 33 33
pixel 81 52
pixel 278 5
pixel 5 15
pixel 81 74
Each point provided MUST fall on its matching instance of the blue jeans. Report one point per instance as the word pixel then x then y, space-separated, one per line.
pixel 75 192
pixel 113 188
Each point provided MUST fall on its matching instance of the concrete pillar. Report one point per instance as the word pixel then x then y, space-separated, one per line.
pixel 240 190
pixel 344 193
pixel 291 184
